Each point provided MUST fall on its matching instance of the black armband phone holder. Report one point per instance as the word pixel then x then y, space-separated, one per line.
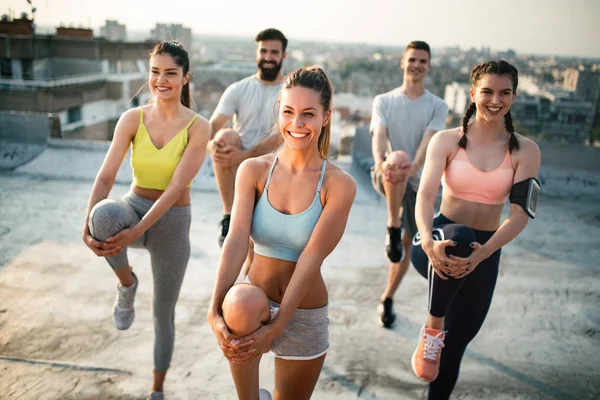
pixel 525 194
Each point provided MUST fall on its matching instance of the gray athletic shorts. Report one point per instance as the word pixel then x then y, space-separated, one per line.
pixel 408 203
pixel 306 335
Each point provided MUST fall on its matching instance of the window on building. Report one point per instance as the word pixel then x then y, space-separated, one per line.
pixel 5 68
pixel 113 67
pixel 579 119
pixel 27 68
pixel 73 115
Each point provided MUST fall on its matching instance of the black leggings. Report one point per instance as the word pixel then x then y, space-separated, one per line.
pixel 464 302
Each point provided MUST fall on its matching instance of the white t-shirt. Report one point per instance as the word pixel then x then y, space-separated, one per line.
pixel 407 120
pixel 253 106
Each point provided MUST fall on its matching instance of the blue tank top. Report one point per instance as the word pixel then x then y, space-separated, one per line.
pixel 284 236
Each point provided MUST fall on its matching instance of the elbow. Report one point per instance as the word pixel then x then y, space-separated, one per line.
pixel 105 181
pixel 235 244
pixel 312 259
pixel 426 197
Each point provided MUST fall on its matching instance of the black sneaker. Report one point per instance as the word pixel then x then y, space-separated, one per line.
pixel 393 244
pixel 224 228
pixel 387 317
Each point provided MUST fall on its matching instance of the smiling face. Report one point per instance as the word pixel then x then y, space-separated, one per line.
pixel 269 58
pixel 415 64
pixel 166 78
pixel 302 117
pixel 493 96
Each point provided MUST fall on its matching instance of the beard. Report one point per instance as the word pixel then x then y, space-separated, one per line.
pixel 269 73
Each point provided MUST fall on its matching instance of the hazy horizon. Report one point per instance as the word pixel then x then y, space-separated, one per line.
pixel 512 24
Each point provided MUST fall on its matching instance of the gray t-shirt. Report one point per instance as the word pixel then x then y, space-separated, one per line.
pixel 253 106
pixel 407 120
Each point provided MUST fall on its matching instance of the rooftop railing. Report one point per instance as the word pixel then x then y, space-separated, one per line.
pixel 34 84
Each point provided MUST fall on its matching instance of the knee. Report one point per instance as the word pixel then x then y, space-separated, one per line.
pixel 245 309
pixel 107 218
pixel 229 137
pixel 463 236
pixel 397 158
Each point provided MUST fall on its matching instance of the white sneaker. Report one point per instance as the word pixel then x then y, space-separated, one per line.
pixel 123 311
pixel 264 394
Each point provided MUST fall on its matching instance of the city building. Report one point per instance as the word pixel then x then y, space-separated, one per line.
pixel 456 96
pixel 527 112
pixel 72 32
pixel 565 116
pixel 210 81
pixel 114 31
pixel 16 26
pixel 585 81
pixel 88 83
pixel 172 32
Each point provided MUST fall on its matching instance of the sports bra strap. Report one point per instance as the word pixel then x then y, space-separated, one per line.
pixel 271 172
pixel 322 176
pixel 141 115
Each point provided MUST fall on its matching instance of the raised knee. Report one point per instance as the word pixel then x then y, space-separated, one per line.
pixel 463 236
pixel 229 137
pixel 107 218
pixel 245 308
pixel 398 158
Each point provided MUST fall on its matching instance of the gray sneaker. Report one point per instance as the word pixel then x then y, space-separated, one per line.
pixel 264 394
pixel 156 396
pixel 123 311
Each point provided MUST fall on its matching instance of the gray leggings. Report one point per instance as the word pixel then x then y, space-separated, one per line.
pixel 168 242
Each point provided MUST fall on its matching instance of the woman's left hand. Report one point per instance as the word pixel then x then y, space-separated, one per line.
pixel 263 338
pixel 123 238
pixel 470 263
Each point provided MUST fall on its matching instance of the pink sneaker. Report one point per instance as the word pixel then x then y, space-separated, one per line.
pixel 426 358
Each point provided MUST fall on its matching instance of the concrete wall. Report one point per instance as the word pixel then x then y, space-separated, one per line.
pixel 100 131
pixel 23 137
pixel 53 100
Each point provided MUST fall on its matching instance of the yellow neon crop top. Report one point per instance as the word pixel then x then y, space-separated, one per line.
pixel 153 168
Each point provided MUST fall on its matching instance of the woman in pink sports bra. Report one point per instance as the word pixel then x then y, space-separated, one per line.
pixel 480 164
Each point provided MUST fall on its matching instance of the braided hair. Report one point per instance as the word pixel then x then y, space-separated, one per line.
pixel 313 77
pixel 499 67
pixel 181 58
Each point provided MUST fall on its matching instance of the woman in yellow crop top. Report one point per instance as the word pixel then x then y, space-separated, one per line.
pixel 295 206
pixel 168 142
pixel 481 165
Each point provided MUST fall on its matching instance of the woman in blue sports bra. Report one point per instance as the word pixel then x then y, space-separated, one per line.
pixel 294 205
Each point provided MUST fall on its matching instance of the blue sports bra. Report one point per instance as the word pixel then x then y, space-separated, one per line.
pixel 284 236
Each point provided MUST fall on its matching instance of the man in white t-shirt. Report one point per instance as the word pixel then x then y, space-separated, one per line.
pixel 402 123
pixel 252 103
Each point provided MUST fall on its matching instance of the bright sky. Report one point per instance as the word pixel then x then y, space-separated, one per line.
pixel 559 27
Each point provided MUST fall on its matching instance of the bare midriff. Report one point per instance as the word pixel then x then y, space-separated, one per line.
pixel 154 194
pixel 482 217
pixel 273 277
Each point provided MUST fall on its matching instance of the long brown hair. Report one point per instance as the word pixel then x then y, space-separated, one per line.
pixel 499 67
pixel 313 77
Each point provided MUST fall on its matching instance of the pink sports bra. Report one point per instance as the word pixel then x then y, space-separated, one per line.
pixel 462 180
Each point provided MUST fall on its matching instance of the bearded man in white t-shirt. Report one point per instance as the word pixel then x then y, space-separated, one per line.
pixel 402 123
pixel 252 104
